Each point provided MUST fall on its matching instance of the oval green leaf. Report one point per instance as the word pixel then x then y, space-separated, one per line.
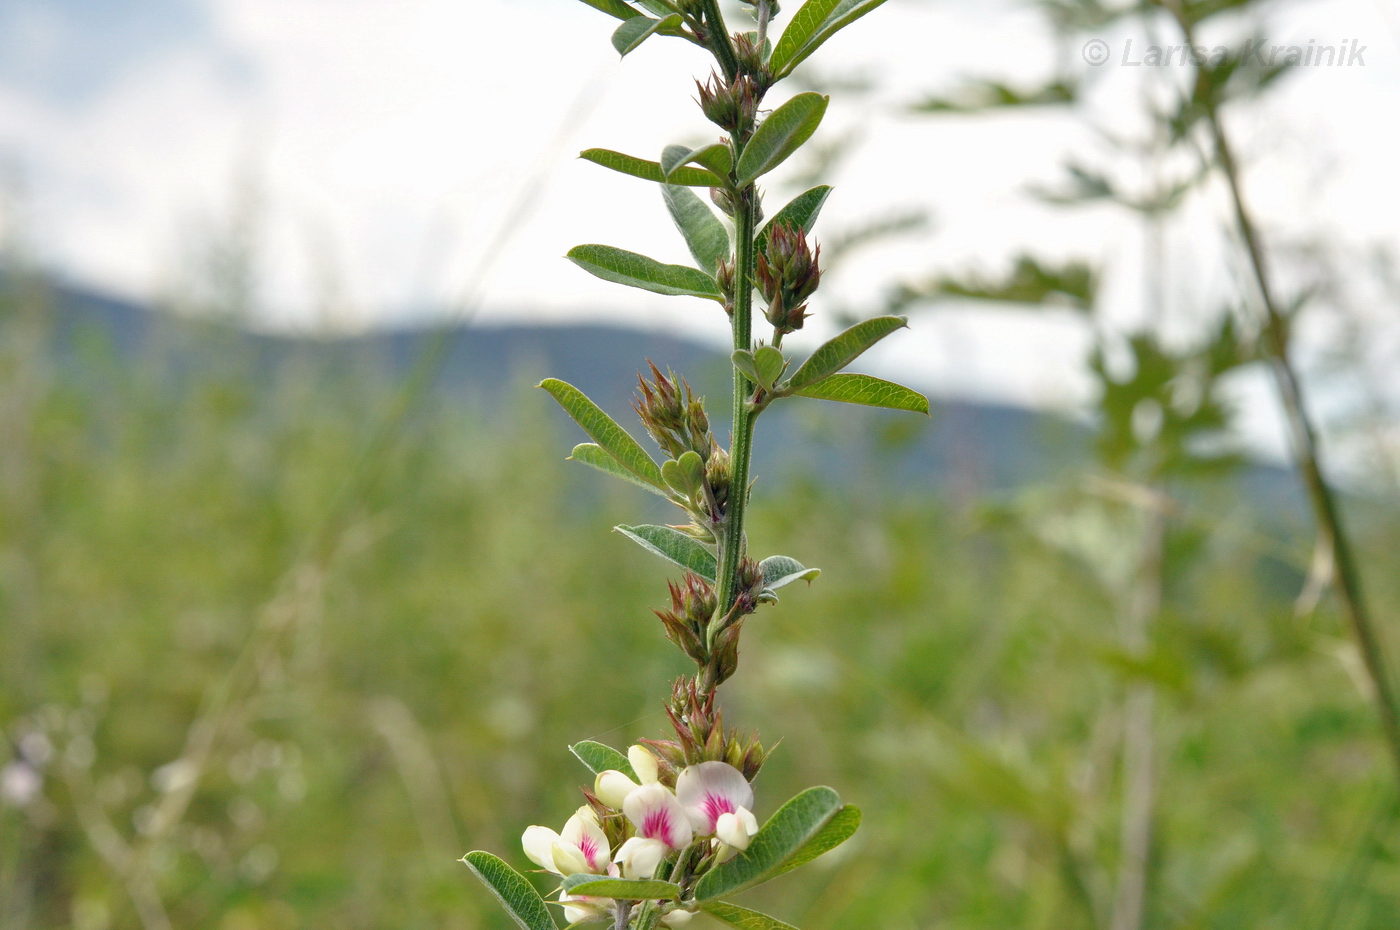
pixel 769 363
pixel 842 349
pixel 592 454
pixel 627 889
pixel 780 570
pixel 796 834
pixel 802 211
pixel 650 170
pixel 613 8
pixel 864 389
pixel 633 270
pixel 781 134
pixel 601 758
pixel 814 23
pixel 638 29
pixel 704 234
pixel 743 918
pixel 716 157
pixel 673 546
pixel 603 429
pixel 520 899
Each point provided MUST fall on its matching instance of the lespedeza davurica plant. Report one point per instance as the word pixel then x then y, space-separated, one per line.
pixel 670 828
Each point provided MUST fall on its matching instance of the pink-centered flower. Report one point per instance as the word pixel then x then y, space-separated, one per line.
pixel 661 826
pixel 612 787
pixel 582 847
pixel 718 801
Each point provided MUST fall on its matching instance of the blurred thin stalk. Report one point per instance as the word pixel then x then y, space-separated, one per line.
pixel 1306 444
pixel 1139 737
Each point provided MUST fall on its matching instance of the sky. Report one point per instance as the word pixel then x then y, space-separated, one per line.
pixel 405 158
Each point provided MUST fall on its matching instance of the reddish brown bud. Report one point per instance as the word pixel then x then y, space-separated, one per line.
pixel 788 272
pixel 730 105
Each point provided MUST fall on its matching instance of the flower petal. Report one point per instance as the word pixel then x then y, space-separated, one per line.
pixel 585 834
pixel 677 918
pixel 539 846
pixel 710 789
pixel 736 829
pixel 568 860
pixel 657 815
pixel 612 788
pixel 640 856
pixel 644 764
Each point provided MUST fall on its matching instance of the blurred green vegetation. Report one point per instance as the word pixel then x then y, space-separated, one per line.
pixel 222 709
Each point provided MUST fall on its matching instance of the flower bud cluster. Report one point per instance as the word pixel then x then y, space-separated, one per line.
pixel 730 105
pixel 788 272
pixel 700 735
pixel 698 470
pixel 693 605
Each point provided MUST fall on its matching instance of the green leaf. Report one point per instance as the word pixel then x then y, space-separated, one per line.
pixel 802 829
pixel 769 363
pixel 650 170
pixel 743 918
pixel 842 349
pixel 674 546
pixel 744 361
pixel 623 267
pixel 802 211
pixel 716 157
pixel 600 758
pixel 780 570
pixel 520 899
pixel 612 438
pixel 593 455
pixel 704 234
pixel 785 129
pixel 613 8
pixel 638 29
pixel 872 392
pixel 627 889
pixel 813 24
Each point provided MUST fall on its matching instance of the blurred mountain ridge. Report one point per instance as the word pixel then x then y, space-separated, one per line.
pixel 968 446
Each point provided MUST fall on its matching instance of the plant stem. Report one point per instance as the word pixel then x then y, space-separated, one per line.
pixel 731 547
pixel 1305 441
pixel 624 915
pixel 718 40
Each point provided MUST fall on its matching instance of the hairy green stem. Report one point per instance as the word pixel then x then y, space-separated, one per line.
pixel 718 39
pixel 1305 440
pixel 731 545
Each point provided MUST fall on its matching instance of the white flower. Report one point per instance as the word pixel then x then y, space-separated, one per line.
pixel 612 787
pixel 582 847
pixel 677 918
pixel 717 799
pixel 661 826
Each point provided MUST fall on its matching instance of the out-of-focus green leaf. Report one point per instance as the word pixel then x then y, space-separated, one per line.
pixel 593 455
pixel 802 211
pixel 626 889
pixel 520 899
pixel 673 546
pixel 601 758
pixel 715 157
pixel 814 23
pixel 802 829
pixel 867 390
pixel 1073 284
pixel 612 438
pixel 640 28
pixel 623 267
pixel 613 8
pixel 989 95
pixel 842 349
pixel 781 134
pixel 704 234
pixel 780 570
pixel 650 170
pixel 743 918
